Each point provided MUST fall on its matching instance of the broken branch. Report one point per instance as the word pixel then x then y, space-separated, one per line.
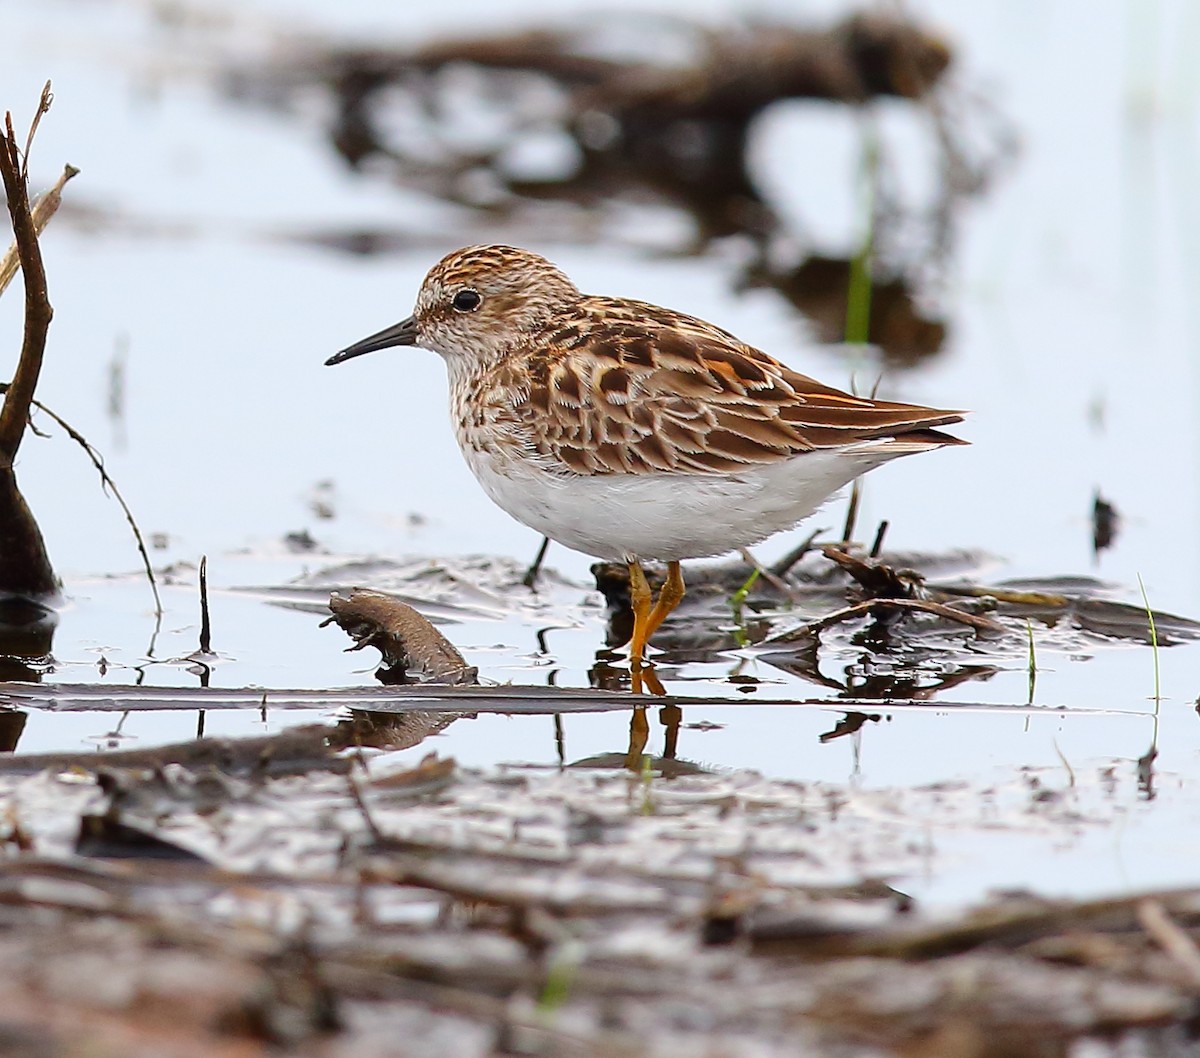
pixel 38 311
pixel 43 209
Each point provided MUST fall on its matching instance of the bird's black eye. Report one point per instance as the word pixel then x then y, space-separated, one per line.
pixel 466 301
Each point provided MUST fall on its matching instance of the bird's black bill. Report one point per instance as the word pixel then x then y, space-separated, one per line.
pixel 402 333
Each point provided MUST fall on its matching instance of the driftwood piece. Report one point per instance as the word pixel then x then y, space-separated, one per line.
pixel 876 579
pixel 25 567
pixel 406 639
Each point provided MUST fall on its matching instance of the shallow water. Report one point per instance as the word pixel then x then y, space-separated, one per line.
pixel 183 268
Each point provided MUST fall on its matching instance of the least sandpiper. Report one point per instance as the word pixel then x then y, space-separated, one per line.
pixel 631 432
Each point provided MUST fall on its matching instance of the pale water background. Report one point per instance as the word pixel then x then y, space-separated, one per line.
pixel 1074 339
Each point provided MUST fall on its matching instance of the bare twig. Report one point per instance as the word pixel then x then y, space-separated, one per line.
pixel 43 209
pixel 205 623
pixel 38 311
pixel 768 575
pixel 107 482
pixel 877 546
pixel 862 609
pixel 43 106
pixel 784 566
pixel 531 574
pixel 852 511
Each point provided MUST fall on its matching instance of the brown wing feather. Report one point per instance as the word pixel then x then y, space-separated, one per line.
pixel 654 390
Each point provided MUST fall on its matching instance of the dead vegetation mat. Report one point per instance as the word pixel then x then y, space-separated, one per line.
pixel 353 909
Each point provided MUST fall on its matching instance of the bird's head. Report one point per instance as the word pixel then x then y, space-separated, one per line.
pixel 477 303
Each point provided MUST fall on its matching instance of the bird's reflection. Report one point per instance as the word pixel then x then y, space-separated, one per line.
pixel 911 675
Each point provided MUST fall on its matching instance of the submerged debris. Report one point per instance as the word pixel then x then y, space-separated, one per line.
pixel 898 582
pixel 888 595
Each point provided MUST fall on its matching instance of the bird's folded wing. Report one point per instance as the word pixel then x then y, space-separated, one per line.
pixel 696 402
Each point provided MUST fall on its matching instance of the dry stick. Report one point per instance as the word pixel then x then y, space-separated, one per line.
pixel 980 624
pixel 107 482
pixel 38 311
pixel 531 574
pixel 43 106
pixel 205 639
pixel 205 623
pixel 43 209
pixel 785 564
pixel 776 582
pixel 852 511
pixel 877 546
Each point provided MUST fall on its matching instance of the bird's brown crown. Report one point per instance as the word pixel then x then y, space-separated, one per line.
pixel 481 300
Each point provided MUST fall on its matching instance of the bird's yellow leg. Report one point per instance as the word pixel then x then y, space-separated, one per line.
pixel 640 601
pixel 671 595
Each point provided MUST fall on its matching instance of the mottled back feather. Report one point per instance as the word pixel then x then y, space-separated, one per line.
pixel 624 387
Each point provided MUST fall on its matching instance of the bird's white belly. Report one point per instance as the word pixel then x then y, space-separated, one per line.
pixel 668 516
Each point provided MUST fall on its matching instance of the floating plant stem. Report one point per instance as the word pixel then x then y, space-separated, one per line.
pixel 1153 644
pixel 1145 764
pixel 738 600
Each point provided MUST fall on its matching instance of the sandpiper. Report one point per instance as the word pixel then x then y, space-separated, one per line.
pixel 631 432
